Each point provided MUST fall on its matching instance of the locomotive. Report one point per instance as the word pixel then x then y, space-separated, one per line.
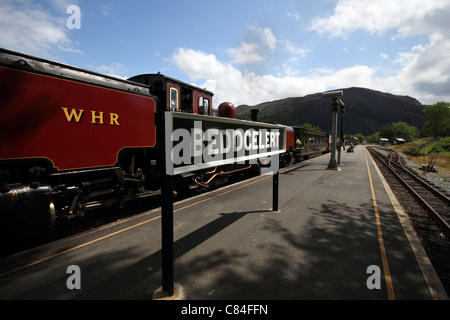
pixel 72 140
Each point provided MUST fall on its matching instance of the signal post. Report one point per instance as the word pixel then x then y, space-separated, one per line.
pixel 335 103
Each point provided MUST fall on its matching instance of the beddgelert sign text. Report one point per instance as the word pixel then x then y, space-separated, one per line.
pixel 197 142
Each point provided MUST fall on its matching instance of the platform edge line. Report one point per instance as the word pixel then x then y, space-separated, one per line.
pixel 387 273
pixel 435 286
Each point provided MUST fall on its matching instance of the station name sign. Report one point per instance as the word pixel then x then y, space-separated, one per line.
pixel 195 142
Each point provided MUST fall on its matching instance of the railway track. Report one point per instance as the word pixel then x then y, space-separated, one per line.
pixel 435 202
pixel 428 209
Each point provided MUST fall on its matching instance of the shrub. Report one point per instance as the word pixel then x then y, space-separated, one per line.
pixel 414 151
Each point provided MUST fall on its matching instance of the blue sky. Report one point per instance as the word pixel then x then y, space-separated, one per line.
pixel 247 51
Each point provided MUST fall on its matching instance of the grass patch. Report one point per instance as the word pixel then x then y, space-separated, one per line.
pixel 442 146
pixel 420 152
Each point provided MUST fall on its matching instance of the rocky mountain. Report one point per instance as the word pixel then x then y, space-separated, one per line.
pixel 366 111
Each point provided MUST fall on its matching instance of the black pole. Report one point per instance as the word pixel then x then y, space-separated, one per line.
pixel 167 235
pixel 334 119
pixel 342 136
pixel 334 95
pixel 275 191
pixel 166 215
pixel 254 114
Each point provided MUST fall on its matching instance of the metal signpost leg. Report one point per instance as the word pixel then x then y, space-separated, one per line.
pixel 167 235
pixel 275 191
pixel 333 163
pixel 166 214
pixel 341 134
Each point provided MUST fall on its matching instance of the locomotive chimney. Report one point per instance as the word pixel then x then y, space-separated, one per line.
pixel 254 114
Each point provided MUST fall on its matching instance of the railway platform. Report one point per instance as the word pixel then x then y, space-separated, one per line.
pixel 337 235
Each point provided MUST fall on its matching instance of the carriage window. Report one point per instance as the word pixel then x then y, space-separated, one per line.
pixel 173 99
pixel 200 105
pixel 206 106
pixel 203 106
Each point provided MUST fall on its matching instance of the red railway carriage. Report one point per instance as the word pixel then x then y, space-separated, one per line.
pixel 70 124
pixel 72 140
pixel 65 135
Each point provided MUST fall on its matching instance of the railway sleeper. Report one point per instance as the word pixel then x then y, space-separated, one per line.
pixel 428 227
pixel 419 215
pixel 439 243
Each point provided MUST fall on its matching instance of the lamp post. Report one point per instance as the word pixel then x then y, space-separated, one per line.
pixel 342 107
pixel 334 95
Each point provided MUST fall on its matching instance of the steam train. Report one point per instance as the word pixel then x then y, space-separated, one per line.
pixel 72 140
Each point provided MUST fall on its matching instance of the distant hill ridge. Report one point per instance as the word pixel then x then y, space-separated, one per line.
pixel 366 110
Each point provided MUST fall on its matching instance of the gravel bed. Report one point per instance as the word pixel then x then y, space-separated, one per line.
pixel 432 177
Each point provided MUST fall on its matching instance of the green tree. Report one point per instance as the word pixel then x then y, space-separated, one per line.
pixel 399 130
pixel 437 120
pixel 361 138
pixel 310 126
pixel 373 138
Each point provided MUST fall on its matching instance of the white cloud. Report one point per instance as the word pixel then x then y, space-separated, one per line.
pixel 106 9
pixel 378 16
pixel 201 65
pixel 245 53
pixel 416 76
pixel 297 51
pixel 255 46
pixel 294 15
pixel 114 69
pixel 268 38
pixel 289 69
pixel 230 84
pixel 29 27
pixel 424 70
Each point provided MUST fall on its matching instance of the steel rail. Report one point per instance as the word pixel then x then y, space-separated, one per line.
pixel 400 165
pixel 437 217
